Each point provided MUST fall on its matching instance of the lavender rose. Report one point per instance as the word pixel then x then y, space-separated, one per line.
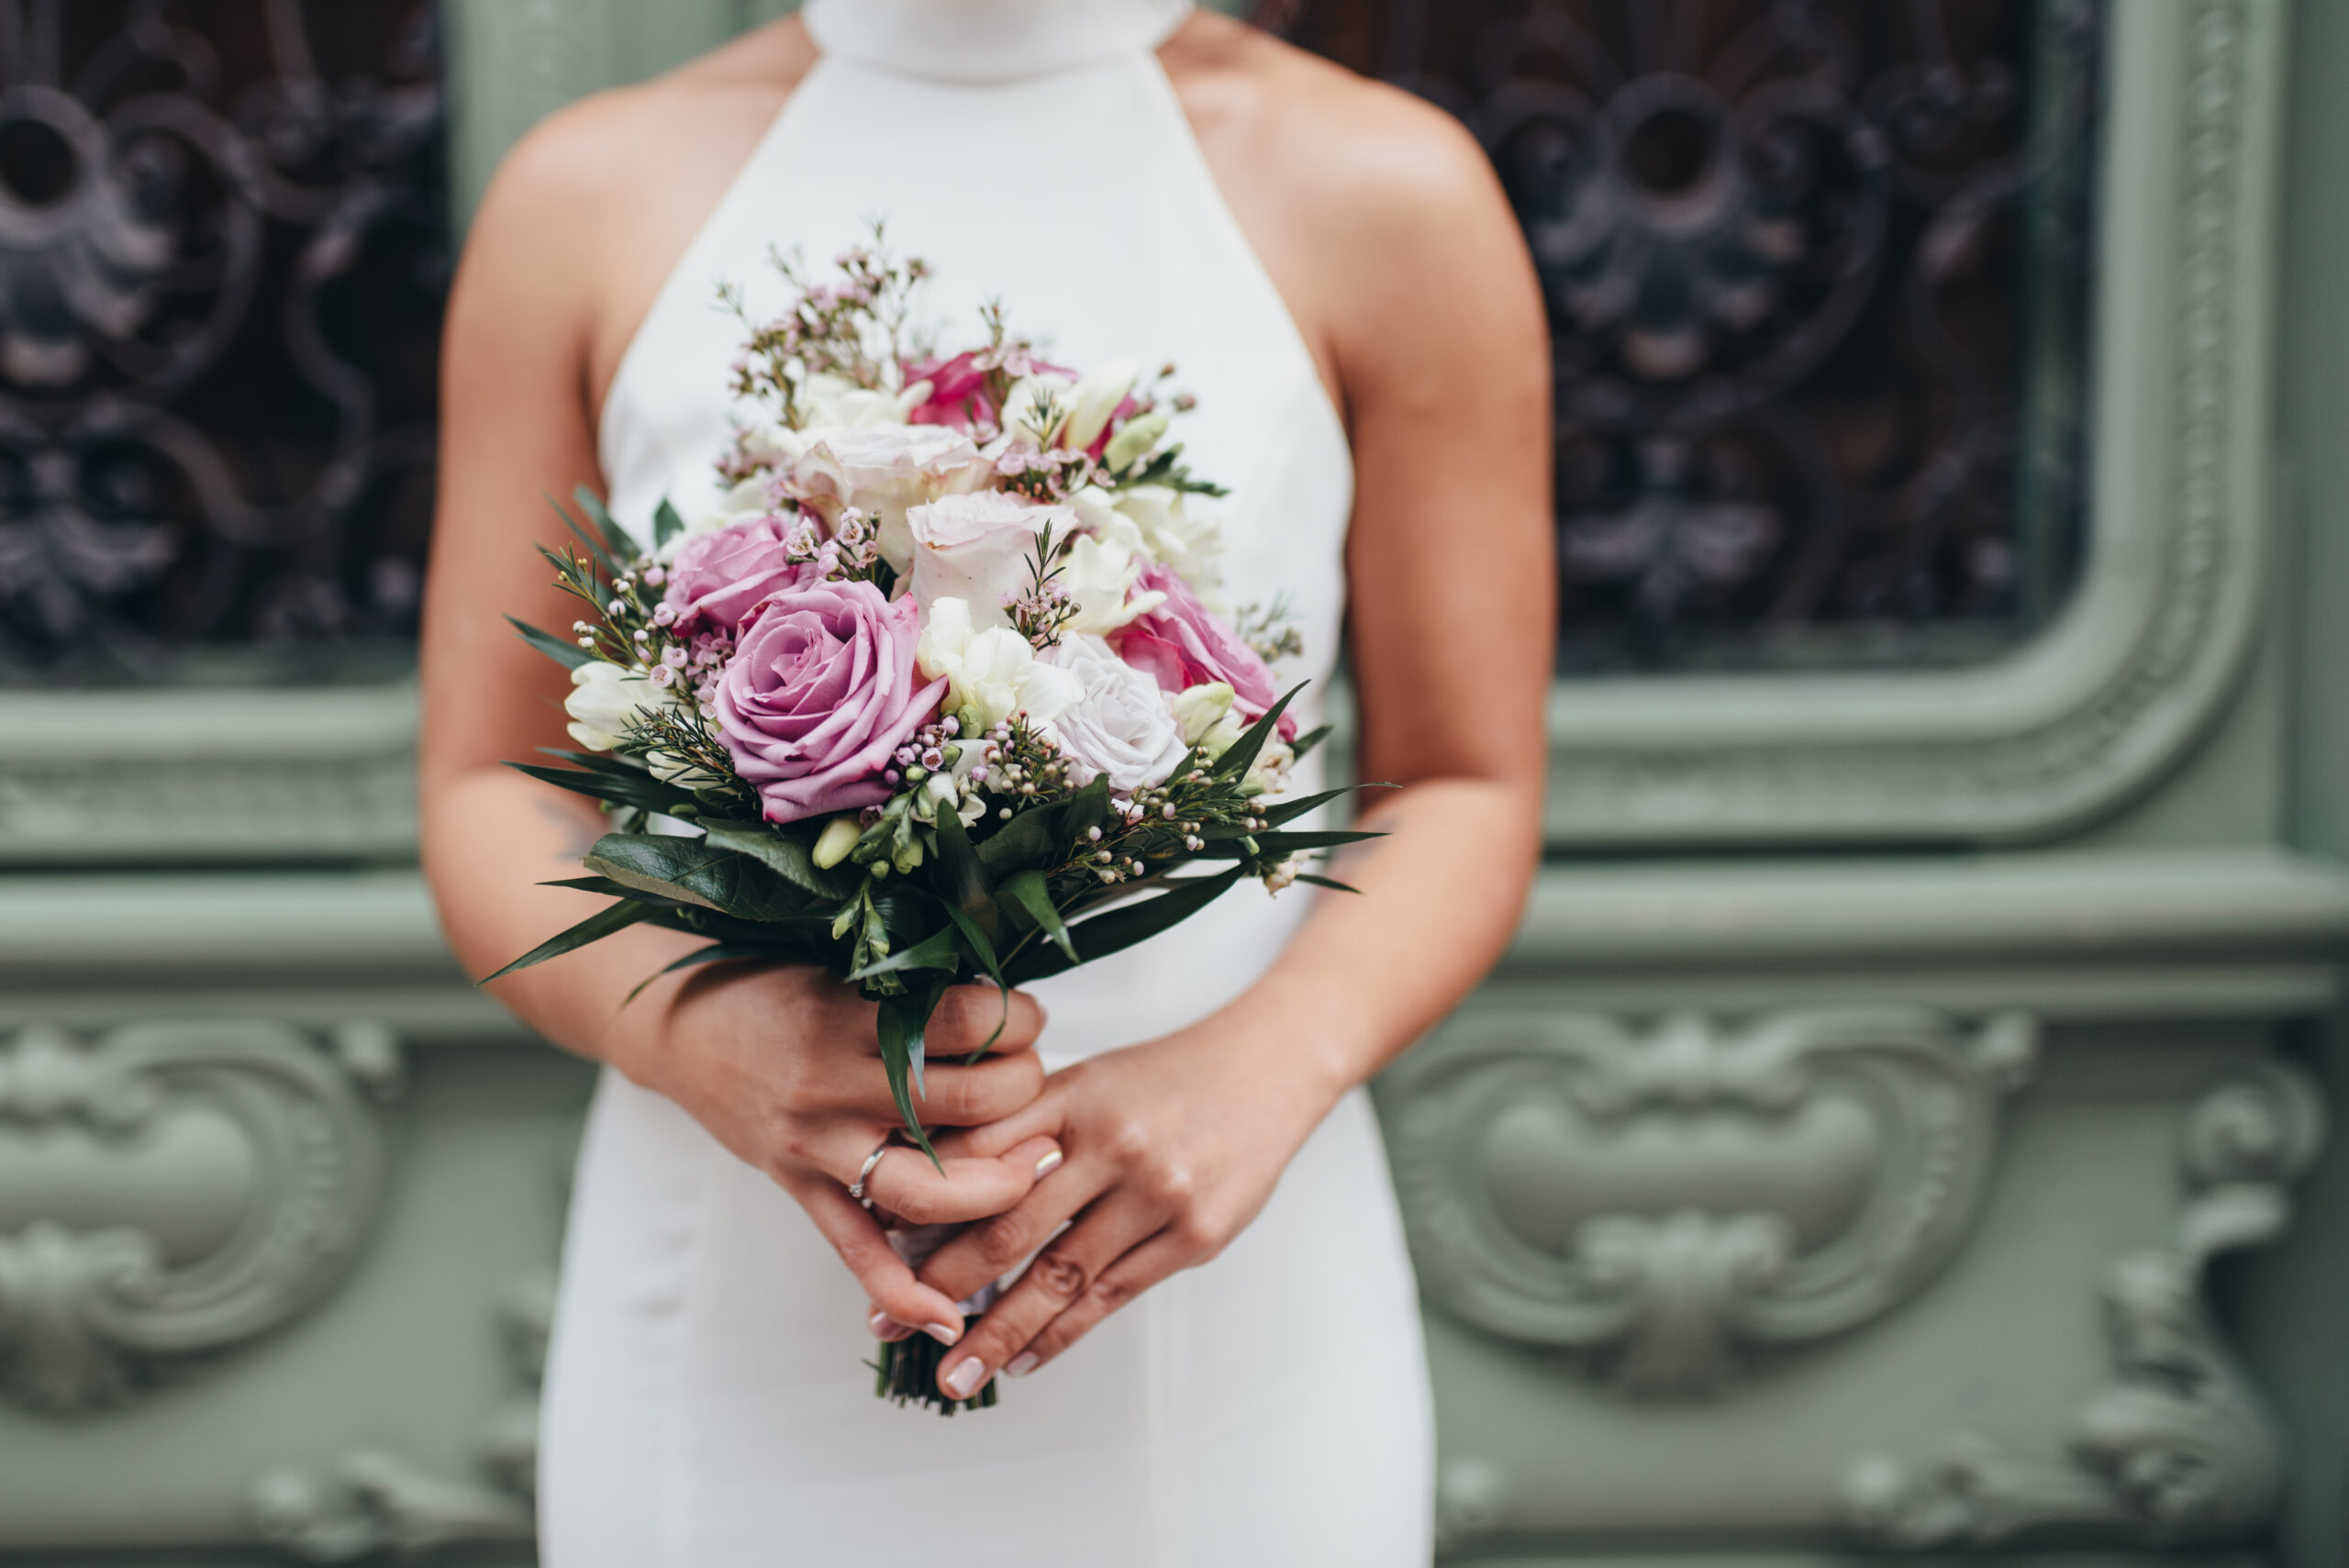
pixel 719 578
pixel 820 692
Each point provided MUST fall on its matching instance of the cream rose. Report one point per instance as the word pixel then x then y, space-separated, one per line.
pixel 979 548
pixel 886 470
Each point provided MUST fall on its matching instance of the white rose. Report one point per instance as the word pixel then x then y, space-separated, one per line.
pixel 1120 727
pixel 885 470
pixel 1094 399
pixel 1098 575
pixel 980 548
pixel 605 700
pixel 991 672
pixel 826 399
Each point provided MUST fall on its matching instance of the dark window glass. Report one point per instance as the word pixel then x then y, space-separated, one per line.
pixel 223 256
pixel 1818 273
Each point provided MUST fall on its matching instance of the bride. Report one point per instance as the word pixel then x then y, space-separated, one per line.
pixel 1218 1348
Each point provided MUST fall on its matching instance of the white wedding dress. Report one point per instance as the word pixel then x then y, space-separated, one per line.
pixel 705 1407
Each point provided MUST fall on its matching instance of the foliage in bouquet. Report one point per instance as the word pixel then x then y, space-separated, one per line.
pixel 943 691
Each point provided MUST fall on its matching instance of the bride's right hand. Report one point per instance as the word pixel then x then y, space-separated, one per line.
pixel 784 1068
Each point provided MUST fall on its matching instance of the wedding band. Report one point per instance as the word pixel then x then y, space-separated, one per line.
pixel 856 1187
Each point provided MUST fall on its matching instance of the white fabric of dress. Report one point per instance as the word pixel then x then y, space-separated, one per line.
pixel 705 1405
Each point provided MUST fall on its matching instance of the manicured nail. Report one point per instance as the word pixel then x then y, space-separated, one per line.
pixel 944 1333
pixel 1022 1364
pixel 1048 1164
pixel 880 1323
pixel 964 1379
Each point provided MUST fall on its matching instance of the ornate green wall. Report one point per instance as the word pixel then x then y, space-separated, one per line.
pixel 1897 1133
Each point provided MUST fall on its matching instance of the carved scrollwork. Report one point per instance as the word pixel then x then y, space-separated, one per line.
pixel 371 1501
pixel 1673 1198
pixel 2176 1448
pixel 173 1189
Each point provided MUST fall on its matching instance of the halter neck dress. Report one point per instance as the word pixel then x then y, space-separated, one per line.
pixel 705 1405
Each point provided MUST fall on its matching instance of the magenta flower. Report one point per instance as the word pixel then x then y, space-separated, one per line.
pixel 1181 645
pixel 820 692
pixel 719 577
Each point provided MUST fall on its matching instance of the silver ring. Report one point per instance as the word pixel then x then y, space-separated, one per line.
pixel 856 1187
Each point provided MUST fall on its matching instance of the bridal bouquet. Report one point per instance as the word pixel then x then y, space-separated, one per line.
pixel 942 692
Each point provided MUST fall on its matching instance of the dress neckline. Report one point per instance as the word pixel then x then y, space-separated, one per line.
pixel 988 41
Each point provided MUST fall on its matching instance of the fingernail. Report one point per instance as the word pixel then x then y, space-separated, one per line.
pixel 880 1323
pixel 1048 1164
pixel 1022 1364
pixel 944 1333
pixel 964 1379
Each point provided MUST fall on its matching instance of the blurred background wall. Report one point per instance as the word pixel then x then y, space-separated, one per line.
pixel 1899 1129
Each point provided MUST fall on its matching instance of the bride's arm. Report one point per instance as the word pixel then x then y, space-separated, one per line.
pixel 780 1064
pixel 1173 1146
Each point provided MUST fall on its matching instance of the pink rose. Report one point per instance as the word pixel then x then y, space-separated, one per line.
pixel 1181 645
pixel 819 693
pixel 719 578
pixel 957 392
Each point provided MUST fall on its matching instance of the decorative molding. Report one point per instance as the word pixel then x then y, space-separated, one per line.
pixel 2088 715
pixel 172 1190
pixel 370 1501
pixel 2176 1450
pixel 1670 1200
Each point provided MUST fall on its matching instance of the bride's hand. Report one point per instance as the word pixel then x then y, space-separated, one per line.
pixel 1172 1147
pixel 784 1068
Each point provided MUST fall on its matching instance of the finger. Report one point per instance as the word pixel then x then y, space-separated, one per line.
pixel 882 1327
pixel 969 1016
pixel 909 1186
pixel 1164 1254
pixel 1059 1277
pixel 955 1096
pixel 993 1246
pixel 985 1136
pixel 886 1279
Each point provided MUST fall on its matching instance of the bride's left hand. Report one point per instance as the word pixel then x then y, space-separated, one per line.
pixel 1172 1146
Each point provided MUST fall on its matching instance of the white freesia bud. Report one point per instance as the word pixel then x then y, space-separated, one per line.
pixel 1098 577
pixel 604 701
pixel 1270 773
pixel 1094 399
pixel 1133 443
pixel 991 674
pixel 1202 710
pixel 839 836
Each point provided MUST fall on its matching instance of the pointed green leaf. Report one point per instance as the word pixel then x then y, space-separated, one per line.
pixel 618 541
pixel 667 524
pixel 939 951
pixel 595 928
pixel 692 871
pixel 1327 882
pixel 634 787
pixel 1028 889
pixel 570 655
pixel 899 1023
pixel 1235 763
pixel 1310 742
pixel 1123 927
pixel 1290 810
pixel 967 882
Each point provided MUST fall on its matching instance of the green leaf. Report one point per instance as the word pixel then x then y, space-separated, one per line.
pixel 1123 927
pixel 1236 762
pixel 595 928
pixel 621 545
pixel 1027 840
pixel 984 950
pixel 788 855
pixel 1028 889
pixel 1327 882
pixel 1310 742
pixel 1290 810
pixel 692 871
pixel 667 524
pixel 570 655
pixel 941 950
pixel 899 1023
pixel 634 787
pixel 967 882
pixel 596 550
pixel 1080 814
pixel 603 884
